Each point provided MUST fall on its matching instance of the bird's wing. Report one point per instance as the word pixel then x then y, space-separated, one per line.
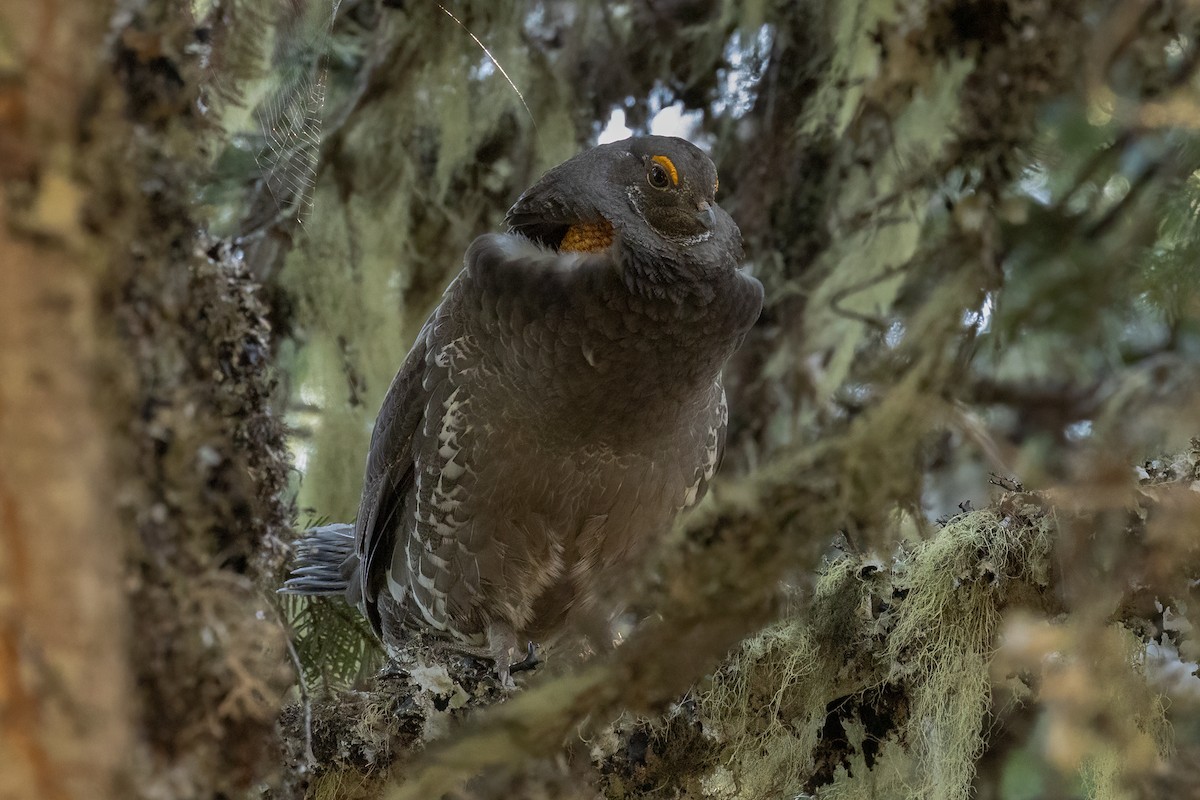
pixel 507 279
pixel 497 340
pixel 389 472
pixel 709 434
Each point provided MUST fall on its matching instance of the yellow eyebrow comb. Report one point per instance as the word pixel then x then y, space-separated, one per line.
pixel 669 166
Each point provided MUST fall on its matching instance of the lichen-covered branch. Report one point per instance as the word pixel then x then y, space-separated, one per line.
pixel 881 677
pixel 204 465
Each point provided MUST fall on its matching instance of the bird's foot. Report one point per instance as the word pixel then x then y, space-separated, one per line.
pixel 392 669
pixel 502 642
pixel 530 661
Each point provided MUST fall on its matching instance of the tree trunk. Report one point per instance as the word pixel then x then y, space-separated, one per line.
pixel 65 704
pixel 141 490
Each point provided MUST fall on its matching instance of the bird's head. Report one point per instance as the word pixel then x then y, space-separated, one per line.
pixel 652 194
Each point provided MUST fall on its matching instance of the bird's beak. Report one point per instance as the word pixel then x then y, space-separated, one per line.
pixel 706 216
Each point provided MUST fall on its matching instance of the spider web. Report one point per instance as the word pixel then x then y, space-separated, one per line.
pixel 290 116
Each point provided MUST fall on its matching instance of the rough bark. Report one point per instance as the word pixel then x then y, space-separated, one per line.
pixel 141 492
pixel 65 688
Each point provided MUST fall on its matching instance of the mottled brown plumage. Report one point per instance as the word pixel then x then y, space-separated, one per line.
pixel 556 412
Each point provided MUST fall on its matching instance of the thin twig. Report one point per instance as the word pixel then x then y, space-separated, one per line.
pixel 302 686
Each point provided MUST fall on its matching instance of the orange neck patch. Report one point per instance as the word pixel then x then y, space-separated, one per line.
pixel 588 237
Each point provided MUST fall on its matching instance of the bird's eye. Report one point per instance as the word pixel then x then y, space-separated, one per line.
pixel 661 173
pixel 658 177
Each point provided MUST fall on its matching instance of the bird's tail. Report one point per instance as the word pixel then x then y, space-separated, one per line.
pixel 324 561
